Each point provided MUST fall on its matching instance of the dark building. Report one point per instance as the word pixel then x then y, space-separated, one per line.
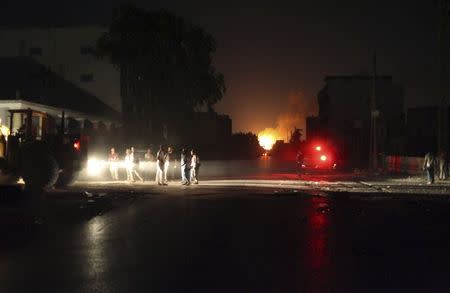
pixel 344 116
pixel 24 80
pixel 210 133
pixel 312 128
pixel 422 124
pixel 27 84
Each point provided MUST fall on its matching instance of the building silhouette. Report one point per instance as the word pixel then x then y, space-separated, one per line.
pixel 68 52
pixel 344 116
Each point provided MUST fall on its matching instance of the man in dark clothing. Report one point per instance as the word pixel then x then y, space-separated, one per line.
pixel 428 165
pixel 185 164
pixel 299 158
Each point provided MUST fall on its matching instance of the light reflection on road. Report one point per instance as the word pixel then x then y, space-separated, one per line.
pixel 97 260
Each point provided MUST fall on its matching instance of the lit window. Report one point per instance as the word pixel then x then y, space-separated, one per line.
pixel 36 51
pixel 87 77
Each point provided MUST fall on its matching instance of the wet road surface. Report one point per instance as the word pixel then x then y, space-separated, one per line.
pixel 229 239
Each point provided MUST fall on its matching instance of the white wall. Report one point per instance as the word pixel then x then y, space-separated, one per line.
pixel 61 52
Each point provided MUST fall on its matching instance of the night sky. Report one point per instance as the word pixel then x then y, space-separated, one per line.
pixel 270 49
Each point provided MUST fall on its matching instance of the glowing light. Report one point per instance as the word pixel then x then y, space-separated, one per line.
pixel 94 167
pixel 318 148
pixel 76 145
pixel 4 130
pixel 266 141
pixel 323 158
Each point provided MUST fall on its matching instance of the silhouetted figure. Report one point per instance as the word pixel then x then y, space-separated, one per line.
pixel 113 159
pixel 443 165
pixel 299 159
pixel 428 165
pixel 135 165
pixel 185 168
pixel 149 157
pixel 129 165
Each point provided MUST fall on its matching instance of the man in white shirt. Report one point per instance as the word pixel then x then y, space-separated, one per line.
pixel 195 165
pixel 129 165
pixel 167 158
pixel 160 162
pixel 113 159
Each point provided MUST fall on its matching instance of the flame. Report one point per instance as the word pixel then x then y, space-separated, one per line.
pixel 267 138
pixel 266 141
pixel 297 108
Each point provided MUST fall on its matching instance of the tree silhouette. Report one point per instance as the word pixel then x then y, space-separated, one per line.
pixel 170 57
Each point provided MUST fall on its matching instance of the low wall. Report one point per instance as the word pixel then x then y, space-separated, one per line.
pixel 208 169
pixel 406 165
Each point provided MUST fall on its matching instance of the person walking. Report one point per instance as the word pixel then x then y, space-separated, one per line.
pixel 135 165
pixel 160 157
pixel 195 166
pixel 113 160
pixel 428 165
pixel 129 165
pixel 185 164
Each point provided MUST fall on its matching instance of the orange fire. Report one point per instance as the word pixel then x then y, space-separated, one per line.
pixel 267 138
pixel 266 141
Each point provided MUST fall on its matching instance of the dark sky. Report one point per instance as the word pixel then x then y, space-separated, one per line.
pixel 268 49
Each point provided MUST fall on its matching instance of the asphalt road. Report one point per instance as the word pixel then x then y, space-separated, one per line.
pixel 225 239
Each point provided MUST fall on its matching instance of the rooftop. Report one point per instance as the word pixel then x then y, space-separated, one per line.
pixel 22 78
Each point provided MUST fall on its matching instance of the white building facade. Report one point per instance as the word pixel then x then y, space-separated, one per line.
pixel 68 52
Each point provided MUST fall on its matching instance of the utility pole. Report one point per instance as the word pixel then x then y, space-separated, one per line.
pixel 443 75
pixel 374 113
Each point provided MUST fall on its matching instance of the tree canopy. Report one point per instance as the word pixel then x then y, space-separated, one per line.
pixel 170 54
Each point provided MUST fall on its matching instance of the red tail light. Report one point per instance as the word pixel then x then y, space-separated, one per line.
pixel 323 158
pixel 318 148
pixel 77 145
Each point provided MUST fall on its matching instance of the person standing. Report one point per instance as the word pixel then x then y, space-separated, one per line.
pixel 113 159
pixel 300 159
pixel 195 166
pixel 160 156
pixel 428 165
pixel 184 162
pixel 135 165
pixel 149 159
pixel 167 158
pixel 129 165
pixel 149 155
pixel 443 164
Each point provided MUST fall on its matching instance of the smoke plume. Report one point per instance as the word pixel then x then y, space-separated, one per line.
pixel 294 116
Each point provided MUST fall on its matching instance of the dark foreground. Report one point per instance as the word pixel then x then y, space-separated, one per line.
pixel 211 239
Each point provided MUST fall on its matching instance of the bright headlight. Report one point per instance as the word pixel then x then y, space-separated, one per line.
pixel 94 167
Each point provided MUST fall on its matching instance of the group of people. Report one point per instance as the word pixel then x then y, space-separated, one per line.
pixel 430 163
pixel 189 162
pixel 131 165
